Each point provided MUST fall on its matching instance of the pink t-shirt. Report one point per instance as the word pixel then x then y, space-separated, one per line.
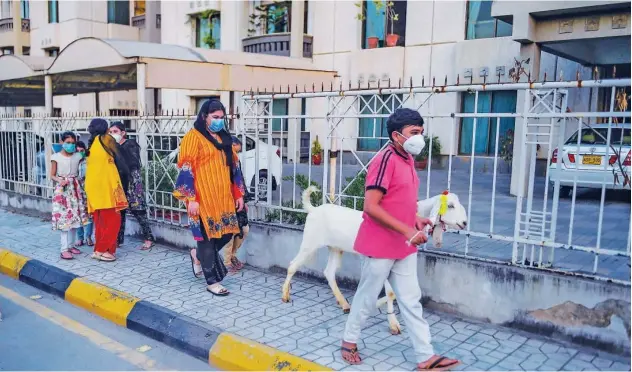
pixel 394 174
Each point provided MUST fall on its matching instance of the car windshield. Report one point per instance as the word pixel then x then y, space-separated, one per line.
pixel 598 136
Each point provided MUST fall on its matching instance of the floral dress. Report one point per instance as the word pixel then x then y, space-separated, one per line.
pixel 69 202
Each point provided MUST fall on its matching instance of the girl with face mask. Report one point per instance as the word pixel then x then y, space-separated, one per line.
pixel 69 202
pixel 211 187
pixel 135 191
pixel 84 233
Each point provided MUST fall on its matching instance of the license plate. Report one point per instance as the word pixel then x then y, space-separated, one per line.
pixel 591 160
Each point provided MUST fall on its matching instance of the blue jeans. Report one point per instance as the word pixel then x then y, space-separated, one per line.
pixel 85 231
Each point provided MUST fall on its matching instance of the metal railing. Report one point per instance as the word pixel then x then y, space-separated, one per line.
pixel 584 233
pixel 277 44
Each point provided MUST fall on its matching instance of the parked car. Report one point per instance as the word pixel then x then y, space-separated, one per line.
pixel 589 163
pixel 248 163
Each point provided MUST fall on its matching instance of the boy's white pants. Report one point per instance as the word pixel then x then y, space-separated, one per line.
pixel 402 275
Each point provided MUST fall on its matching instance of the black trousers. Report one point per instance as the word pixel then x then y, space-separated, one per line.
pixel 208 254
pixel 143 221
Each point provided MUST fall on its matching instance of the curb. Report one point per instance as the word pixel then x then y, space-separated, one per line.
pixel 220 349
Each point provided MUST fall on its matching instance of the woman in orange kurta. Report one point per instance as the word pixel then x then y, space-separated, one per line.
pixel 210 186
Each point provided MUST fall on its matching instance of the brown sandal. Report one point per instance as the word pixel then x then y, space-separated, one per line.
pixel 354 353
pixel 441 363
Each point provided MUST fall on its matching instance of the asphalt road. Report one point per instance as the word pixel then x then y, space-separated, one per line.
pixel 46 333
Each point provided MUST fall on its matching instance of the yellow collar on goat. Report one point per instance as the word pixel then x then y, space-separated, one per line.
pixel 443 208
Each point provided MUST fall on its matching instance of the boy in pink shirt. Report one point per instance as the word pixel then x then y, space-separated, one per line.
pixel 388 238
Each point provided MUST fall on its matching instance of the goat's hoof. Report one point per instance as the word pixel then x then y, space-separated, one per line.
pixel 346 311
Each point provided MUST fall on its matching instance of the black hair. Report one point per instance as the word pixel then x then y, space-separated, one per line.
pixel 68 134
pixel 236 140
pixel 81 144
pixel 96 128
pixel 401 118
pixel 119 125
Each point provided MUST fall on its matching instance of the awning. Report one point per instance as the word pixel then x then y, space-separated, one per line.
pixel 91 65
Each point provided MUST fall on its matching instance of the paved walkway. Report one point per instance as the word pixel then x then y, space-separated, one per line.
pixel 310 326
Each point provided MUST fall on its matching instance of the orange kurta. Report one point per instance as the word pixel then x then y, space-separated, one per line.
pixel 205 178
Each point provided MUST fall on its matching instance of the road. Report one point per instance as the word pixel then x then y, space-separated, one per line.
pixel 47 333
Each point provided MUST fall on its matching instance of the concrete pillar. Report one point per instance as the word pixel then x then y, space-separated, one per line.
pixel 152 9
pixel 48 94
pixel 233 24
pixel 294 131
pixel 141 81
pixel 297 23
pixel 521 152
pixel 141 129
pixel 17 27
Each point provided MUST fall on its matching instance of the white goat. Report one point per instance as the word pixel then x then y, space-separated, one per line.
pixel 336 227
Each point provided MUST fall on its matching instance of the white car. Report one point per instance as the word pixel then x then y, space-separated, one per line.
pixel 589 162
pixel 248 165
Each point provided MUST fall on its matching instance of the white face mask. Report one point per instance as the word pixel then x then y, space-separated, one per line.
pixel 414 144
pixel 117 137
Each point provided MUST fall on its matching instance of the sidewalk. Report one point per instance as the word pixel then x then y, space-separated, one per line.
pixel 311 326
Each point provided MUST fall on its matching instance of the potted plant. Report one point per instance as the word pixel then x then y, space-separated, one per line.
pixel 421 160
pixel 391 17
pixel 372 41
pixel 317 152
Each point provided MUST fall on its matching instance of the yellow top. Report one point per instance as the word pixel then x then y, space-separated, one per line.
pixel 103 184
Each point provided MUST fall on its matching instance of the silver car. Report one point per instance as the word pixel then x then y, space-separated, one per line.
pixel 592 163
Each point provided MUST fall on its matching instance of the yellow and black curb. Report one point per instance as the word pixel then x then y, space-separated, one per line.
pixel 221 349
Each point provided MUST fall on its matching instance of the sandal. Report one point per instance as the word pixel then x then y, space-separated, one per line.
pixel 146 246
pixel 66 255
pixel 89 242
pixel 218 291
pixel 197 268
pixel 441 363
pixel 353 351
pixel 101 257
pixel 238 265
pixel 79 243
pixel 74 250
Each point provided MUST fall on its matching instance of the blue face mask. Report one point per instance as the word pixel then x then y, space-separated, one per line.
pixel 216 125
pixel 69 147
pixel 56 147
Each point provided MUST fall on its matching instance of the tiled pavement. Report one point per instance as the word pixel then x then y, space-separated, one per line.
pixel 311 325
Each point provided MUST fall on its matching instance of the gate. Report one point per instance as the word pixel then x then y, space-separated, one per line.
pixel 526 230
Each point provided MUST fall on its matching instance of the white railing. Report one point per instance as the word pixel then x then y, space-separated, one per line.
pixel 584 233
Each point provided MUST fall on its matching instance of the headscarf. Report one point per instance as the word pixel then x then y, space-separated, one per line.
pixel 401 118
pixel 226 146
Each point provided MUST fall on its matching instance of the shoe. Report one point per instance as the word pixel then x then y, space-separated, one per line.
pixel 66 255
pixel 74 250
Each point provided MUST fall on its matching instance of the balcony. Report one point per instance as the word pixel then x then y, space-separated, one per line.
pixel 9 36
pixel 138 21
pixel 275 44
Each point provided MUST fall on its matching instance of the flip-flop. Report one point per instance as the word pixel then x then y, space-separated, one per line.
pixel 197 274
pixel 436 365
pixel 145 247
pixel 99 257
pixel 354 352
pixel 221 293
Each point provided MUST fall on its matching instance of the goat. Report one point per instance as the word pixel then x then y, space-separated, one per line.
pixel 336 227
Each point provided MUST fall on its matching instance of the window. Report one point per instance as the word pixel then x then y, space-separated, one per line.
pixel 279 108
pixel 372 131
pixel 278 18
pixel 250 143
pixel 7 50
pixel 118 12
pixel 303 112
pixel 139 7
pixel 488 102
pixel 52 52
pixel 26 51
pixel 5 9
pixel 305 17
pixel 618 136
pixel 53 11
pixel 208 31
pixel 377 25
pixel 481 24
pixel 24 9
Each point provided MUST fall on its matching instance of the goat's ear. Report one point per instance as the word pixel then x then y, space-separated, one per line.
pixel 434 212
pixel 437 237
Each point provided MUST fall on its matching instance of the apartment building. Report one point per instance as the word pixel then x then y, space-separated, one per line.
pixel 474 40
pixel 41 29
